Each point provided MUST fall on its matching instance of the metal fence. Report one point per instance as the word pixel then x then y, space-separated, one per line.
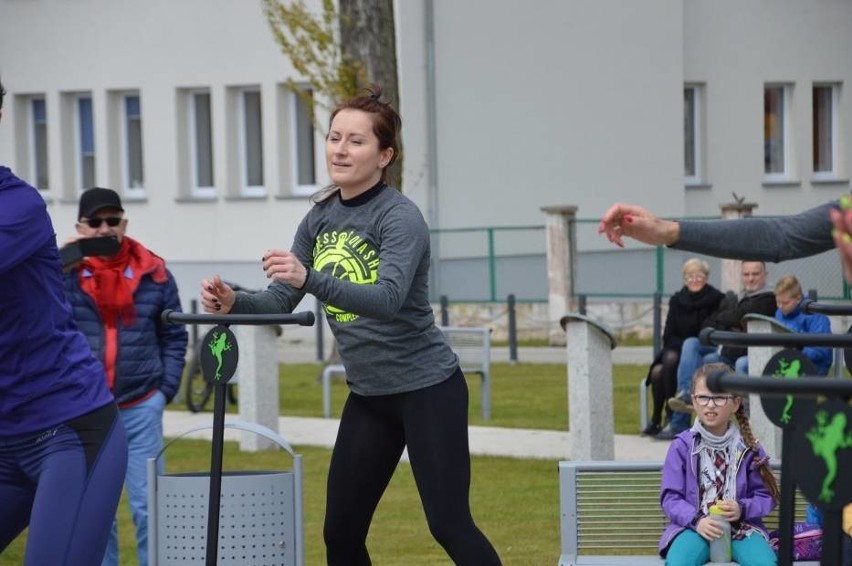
pixel 481 265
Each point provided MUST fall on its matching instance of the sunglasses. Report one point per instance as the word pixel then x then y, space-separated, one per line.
pixel 112 221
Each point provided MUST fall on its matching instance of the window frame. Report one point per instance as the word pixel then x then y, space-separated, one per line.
pixel 246 189
pixel 834 173
pixel 80 181
pixel 33 143
pixel 698 177
pixel 199 190
pixel 130 191
pixel 788 172
pixel 296 104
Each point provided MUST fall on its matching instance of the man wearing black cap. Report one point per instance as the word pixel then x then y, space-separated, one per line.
pixel 64 451
pixel 117 301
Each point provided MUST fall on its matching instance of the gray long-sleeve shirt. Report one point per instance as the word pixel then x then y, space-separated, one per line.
pixel 369 259
pixel 760 239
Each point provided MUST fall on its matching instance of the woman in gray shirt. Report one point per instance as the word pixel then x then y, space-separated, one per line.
pixel 363 250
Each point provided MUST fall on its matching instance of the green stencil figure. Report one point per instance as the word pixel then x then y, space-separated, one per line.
pixel 218 346
pixel 826 439
pixel 788 371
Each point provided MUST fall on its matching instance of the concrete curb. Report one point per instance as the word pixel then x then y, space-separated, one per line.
pixel 484 441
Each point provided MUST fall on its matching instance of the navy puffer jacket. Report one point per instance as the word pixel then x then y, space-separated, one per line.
pixel 151 354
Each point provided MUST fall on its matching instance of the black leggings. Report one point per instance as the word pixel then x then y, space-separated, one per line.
pixel 373 431
pixel 663 378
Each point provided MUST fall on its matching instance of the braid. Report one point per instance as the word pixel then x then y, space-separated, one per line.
pixel 748 436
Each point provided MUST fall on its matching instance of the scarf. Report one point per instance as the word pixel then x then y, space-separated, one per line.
pixel 724 449
pixel 111 281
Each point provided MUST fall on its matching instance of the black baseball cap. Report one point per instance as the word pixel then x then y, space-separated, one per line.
pixel 94 199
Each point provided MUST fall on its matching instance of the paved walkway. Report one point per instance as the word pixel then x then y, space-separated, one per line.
pixel 484 440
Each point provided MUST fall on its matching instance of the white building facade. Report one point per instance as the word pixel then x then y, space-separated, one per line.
pixel 507 108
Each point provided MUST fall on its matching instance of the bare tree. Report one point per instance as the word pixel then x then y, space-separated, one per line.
pixel 339 52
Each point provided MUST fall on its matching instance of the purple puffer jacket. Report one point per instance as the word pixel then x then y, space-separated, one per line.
pixel 679 490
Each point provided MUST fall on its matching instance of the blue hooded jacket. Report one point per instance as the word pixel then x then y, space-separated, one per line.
pixel 47 372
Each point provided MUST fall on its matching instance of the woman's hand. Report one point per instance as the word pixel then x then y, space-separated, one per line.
pixel 638 223
pixel 216 296
pixel 284 267
pixel 841 218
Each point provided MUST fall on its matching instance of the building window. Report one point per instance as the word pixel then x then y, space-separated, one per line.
pixel 303 152
pixel 776 132
pixel 85 143
pixel 825 132
pixel 201 141
pixel 250 129
pixel 693 134
pixel 38 150
pixel 132 162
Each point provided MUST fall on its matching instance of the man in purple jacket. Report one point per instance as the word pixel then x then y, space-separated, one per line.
pixel 63 450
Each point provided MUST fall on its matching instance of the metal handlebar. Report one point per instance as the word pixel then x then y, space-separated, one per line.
pixel 721 381
pixel 304 318
pixel 713 337
pixel 813 307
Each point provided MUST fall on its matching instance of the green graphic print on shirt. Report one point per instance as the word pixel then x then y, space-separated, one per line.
pixel 347 256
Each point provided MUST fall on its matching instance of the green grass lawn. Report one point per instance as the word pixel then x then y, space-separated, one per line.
pixel 515 502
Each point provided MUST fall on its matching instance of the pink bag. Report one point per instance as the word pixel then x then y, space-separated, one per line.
pixel 807 541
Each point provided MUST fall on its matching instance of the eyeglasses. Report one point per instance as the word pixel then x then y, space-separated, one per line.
pixel 694 277
pixel 718 400
pixel 112 221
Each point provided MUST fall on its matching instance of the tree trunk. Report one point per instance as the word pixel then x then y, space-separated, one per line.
pixel 368 36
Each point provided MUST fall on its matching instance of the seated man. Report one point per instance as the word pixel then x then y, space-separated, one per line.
pixel 756 298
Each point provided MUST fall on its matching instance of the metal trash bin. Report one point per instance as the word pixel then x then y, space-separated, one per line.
pixel 260 512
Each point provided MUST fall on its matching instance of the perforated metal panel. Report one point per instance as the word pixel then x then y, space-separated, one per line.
pixel 256 519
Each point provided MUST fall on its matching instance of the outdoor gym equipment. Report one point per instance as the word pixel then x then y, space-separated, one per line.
pixel 819 434
pixel 219 357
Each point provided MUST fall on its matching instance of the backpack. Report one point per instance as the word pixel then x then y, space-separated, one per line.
pixel 807 541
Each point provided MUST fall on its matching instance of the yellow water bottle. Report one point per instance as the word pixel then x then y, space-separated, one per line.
pixel 720 548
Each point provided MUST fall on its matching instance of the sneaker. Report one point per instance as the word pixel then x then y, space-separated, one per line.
pixel 682 403
pixel 668 433
pixel 653 429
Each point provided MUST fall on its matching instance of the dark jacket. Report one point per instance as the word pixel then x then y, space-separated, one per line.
pixel 731 319
pixel 151 354
pixel 687 312
pixel 47 375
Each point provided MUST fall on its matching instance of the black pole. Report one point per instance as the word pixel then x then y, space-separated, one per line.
pixel 320 344
pixel 787 500
pixel 513 329
pixel 193 307
pixel 658 323
pixel 215 496
pixel 445 317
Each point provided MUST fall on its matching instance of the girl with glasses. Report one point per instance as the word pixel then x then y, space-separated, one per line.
pixel 716 462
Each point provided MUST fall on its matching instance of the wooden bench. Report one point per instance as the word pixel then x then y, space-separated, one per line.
pixel 471 344
pixel 610 513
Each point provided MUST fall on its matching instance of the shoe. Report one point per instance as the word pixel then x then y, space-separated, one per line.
pixel 668 433
pixel 652 429
pixel 682 403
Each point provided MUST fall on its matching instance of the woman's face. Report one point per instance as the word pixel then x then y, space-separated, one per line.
pixel 695 280
pixel 352 152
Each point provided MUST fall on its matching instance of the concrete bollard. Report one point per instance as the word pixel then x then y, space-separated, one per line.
pixel 591 425
pixel 258 381
pixel 758 356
